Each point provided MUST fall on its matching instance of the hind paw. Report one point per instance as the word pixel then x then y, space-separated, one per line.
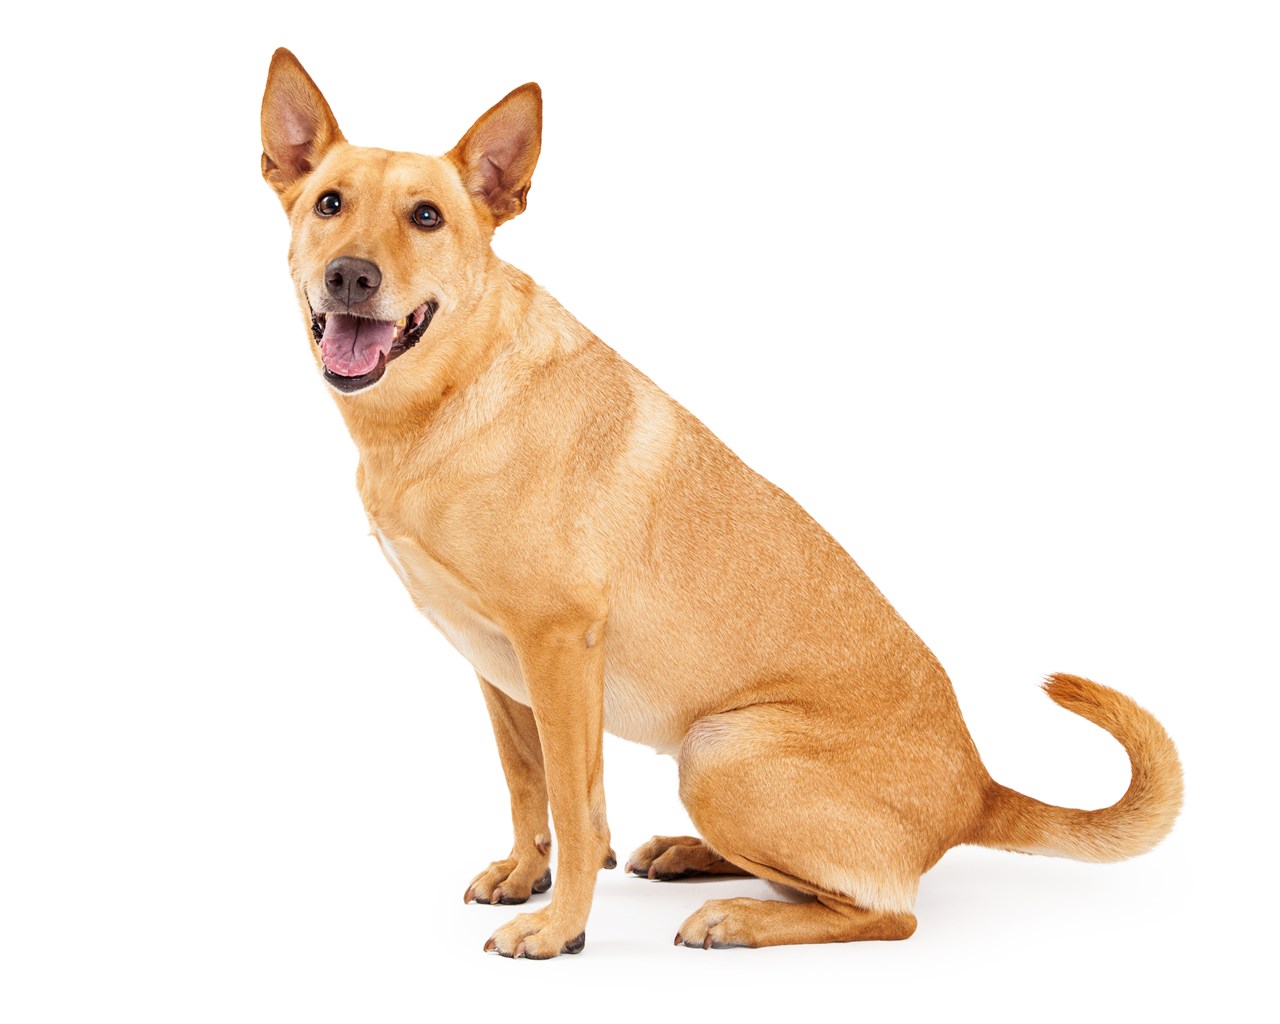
pixel 666 857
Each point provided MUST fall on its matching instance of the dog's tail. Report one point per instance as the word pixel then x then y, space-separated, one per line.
pixel 1132 825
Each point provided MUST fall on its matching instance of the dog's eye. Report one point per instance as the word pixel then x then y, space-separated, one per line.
pixel 328 204
pixel 427 216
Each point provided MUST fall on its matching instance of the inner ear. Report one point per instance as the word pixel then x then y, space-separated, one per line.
pixel 497 156
pixel 297 125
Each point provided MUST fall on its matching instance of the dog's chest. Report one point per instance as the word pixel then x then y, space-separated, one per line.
pixel 629 710
pixel 453 609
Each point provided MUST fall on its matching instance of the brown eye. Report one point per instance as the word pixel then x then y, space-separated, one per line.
pixel 328 204
pixel 427 216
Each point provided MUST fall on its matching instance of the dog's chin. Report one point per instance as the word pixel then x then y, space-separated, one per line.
pixel 349 343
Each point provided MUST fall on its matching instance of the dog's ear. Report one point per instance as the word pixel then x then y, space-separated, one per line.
pixel 497 156
pixel 297 125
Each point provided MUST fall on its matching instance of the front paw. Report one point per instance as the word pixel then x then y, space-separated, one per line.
pixel 510 881
pixel 537 936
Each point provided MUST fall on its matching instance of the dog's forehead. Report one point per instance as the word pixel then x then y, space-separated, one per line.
pixel 361 168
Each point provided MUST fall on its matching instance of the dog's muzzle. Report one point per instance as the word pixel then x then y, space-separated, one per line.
pixel 355 349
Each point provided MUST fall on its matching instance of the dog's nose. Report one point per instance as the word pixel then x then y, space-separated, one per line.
pixel 352 280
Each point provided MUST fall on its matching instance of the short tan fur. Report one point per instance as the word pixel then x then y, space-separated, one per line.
pixel 605 562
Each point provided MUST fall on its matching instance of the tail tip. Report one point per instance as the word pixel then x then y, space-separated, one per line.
pixel 1066 690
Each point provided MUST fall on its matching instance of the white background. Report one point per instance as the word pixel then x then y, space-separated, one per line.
pixel 990 289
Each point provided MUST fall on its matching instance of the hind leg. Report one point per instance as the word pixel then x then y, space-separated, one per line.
pixel 790 797
pixel 719 924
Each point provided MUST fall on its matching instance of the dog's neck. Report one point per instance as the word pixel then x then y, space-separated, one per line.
pixel 510 318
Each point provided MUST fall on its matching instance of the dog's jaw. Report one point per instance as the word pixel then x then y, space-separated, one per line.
pixel 348 343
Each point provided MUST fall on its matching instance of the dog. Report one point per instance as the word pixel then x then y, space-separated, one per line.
pixel 605 562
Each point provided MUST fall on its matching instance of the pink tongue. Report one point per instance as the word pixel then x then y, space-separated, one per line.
pixel 351 345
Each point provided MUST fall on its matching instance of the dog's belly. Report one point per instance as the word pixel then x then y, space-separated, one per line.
pixel 449 606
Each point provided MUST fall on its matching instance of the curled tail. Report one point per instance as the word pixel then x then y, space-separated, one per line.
pixel 1132 825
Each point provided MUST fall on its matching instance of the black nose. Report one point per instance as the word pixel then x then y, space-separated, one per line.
pixel 352 280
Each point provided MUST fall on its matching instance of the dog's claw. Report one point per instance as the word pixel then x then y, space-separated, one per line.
pixel 653 872
pixel 490 946
pixel 470 895
pixel 706 943
pixel 519 953
pixel 679 938
pixel 495 896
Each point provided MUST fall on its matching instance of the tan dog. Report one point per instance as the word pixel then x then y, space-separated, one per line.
pixel 606 563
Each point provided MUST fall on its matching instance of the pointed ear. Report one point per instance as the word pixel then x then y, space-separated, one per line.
pixel 497 156
pixel 297 125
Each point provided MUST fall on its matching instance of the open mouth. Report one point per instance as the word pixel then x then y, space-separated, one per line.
pixel 356 350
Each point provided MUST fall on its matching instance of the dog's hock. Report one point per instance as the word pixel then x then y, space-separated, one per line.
pixel 497 156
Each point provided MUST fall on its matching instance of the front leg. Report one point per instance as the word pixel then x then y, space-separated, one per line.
pixel 526 870
pixel 563 665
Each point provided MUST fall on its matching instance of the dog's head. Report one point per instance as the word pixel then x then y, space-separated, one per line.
pixel 384 242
